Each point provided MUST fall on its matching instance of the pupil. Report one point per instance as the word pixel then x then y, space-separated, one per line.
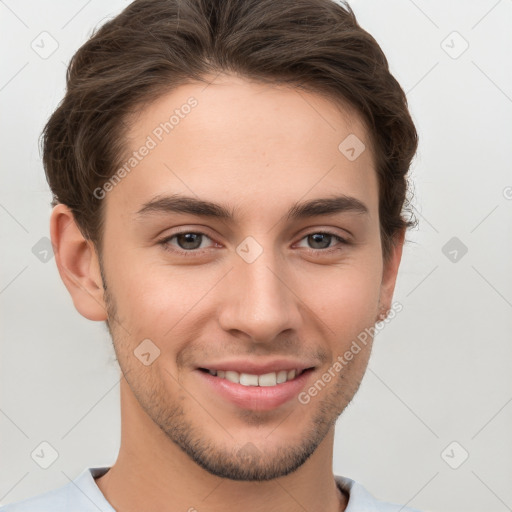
pixel 193 238
pixel 322 237
pixel 190 238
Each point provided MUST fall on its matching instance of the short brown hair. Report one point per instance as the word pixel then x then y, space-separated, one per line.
pixel 153 46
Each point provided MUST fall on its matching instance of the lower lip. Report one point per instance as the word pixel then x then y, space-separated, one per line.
pixel 257 398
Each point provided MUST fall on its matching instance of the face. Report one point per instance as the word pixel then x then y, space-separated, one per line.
pixel 264 293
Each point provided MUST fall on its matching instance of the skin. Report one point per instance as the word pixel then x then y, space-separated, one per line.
pixel 257 149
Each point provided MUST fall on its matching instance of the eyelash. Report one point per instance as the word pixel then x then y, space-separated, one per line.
pixel 165 243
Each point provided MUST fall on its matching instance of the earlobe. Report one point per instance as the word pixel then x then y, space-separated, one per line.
pixel 389 275
pixel 78 264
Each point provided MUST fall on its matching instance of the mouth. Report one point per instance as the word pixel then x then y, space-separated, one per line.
pixel 251 379
pixel 261 391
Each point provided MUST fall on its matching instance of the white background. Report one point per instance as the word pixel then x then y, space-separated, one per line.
pixel 440 371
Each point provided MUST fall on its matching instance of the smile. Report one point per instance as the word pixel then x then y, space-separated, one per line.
pixel 262 391
pixel 248 379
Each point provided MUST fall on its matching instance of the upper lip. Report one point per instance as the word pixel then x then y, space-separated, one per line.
pixel 258 368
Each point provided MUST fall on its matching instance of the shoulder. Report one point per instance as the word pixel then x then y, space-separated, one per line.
pixel 79 495
pixel 54 500
pixel 361 499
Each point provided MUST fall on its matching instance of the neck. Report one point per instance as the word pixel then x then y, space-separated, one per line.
pixel 153 473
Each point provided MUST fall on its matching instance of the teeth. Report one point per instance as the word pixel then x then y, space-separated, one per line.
pixel 269 379
pixel 248 379
pixel 282 376
pixel 233 376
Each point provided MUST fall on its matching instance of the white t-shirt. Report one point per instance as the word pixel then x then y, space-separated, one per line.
pixel 83 495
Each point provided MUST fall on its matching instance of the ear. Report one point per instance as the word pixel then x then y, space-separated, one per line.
pixel 78 264
pixel 389 274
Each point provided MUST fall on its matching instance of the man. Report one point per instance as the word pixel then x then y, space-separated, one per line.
pixel 229 179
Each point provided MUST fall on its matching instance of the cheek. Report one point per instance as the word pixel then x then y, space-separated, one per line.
pixel 160 302
pixel 151 304
pixel 140 293
pixel 345 298
pixel 154 299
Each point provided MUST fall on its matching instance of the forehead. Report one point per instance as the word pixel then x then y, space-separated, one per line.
pixel 247 144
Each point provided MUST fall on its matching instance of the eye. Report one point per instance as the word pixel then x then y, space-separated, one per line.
pixel 188 242
pixel 321 241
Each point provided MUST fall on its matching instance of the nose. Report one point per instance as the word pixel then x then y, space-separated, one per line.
pixel 259 299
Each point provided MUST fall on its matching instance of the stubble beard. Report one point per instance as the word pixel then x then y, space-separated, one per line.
pixel 242 463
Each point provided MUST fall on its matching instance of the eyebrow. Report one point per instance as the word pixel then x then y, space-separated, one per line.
pixel 202 208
